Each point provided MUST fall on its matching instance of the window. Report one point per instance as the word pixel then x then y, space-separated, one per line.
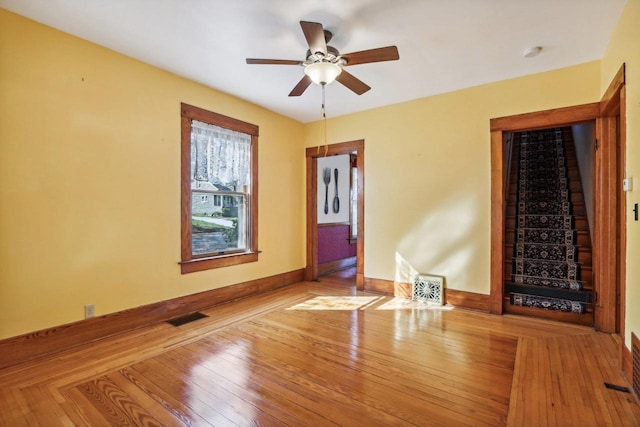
pixel 219 159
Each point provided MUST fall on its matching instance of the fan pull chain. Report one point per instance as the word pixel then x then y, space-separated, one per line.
pixel 321 113
pixel 324 118
pixel 324 131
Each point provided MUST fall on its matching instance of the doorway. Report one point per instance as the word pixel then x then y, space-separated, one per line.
pixel 609 247
pixel 312 155
pixel 549 222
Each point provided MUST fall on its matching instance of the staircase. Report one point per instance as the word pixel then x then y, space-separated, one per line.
pixel 548 267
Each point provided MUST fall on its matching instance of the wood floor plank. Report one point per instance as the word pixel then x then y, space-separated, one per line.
pixel 80 409
pixel 171 393
pixel 450 359
pixel 47 407
pixel 114 404
pixel 176 404
pixel 237 401
pixel 13 412
pixel 416 373
pixel 321 401
pixel 558 399
pixel 516 397
pixel 383 394
pixel 291 381
pixel 143 399
pixel 265 394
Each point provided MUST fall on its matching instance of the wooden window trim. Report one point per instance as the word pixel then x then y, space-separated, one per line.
pixel 189 263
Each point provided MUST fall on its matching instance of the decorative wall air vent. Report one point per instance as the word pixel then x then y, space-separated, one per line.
pixel 428 289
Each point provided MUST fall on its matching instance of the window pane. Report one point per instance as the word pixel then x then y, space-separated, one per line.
pixel 216 229
pixel 220 158
pixel 220 169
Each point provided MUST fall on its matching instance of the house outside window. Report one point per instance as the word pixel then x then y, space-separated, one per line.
pixel 219 190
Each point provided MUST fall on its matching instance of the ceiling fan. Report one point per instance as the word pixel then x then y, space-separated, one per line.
pixel 324 63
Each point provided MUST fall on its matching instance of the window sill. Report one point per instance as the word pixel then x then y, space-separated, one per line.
pixel 201 264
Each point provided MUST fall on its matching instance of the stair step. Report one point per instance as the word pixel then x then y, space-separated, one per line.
pixel 584 254
pixel 575 285
pixel 580 223
pixel 586 286
pixel 547 303
pixel 584 268
pixel 586 271
pixel 576 197
pixel 577 208
pixel 544 291
pixel 546 268
pixel 585 319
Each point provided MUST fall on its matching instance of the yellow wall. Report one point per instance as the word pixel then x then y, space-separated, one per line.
pixel 89 176
pixel 427 172
pixel 624 48
pixel 89 181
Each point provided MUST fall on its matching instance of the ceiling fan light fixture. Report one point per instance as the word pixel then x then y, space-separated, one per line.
pixel 322 72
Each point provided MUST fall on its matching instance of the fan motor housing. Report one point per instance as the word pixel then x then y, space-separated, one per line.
pixel 332 55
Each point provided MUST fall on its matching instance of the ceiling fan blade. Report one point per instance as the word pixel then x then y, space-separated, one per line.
pixel 389 53
pixel 273 61
pixel 353 83
pixel 314 33
pixel 301 86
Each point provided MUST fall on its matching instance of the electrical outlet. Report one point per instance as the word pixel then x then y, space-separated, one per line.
pixel 89 310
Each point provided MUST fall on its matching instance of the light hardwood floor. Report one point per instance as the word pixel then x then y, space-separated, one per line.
pixel 321 353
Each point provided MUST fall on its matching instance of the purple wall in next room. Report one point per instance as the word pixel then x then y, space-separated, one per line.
pixel 333 243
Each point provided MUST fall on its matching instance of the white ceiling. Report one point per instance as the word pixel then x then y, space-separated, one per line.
pixel 444 45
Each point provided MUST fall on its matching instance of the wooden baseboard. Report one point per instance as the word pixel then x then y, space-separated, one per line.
pixel 339 264
pixel 387 287
pixel 466 299
pixel 453 297
pixel 48 341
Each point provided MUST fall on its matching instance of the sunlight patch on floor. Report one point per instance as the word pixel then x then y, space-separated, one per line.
pixel 400 303
pixel 349 303
pixel 336 303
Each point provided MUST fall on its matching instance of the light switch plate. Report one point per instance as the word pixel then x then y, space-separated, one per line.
pixel 627 184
